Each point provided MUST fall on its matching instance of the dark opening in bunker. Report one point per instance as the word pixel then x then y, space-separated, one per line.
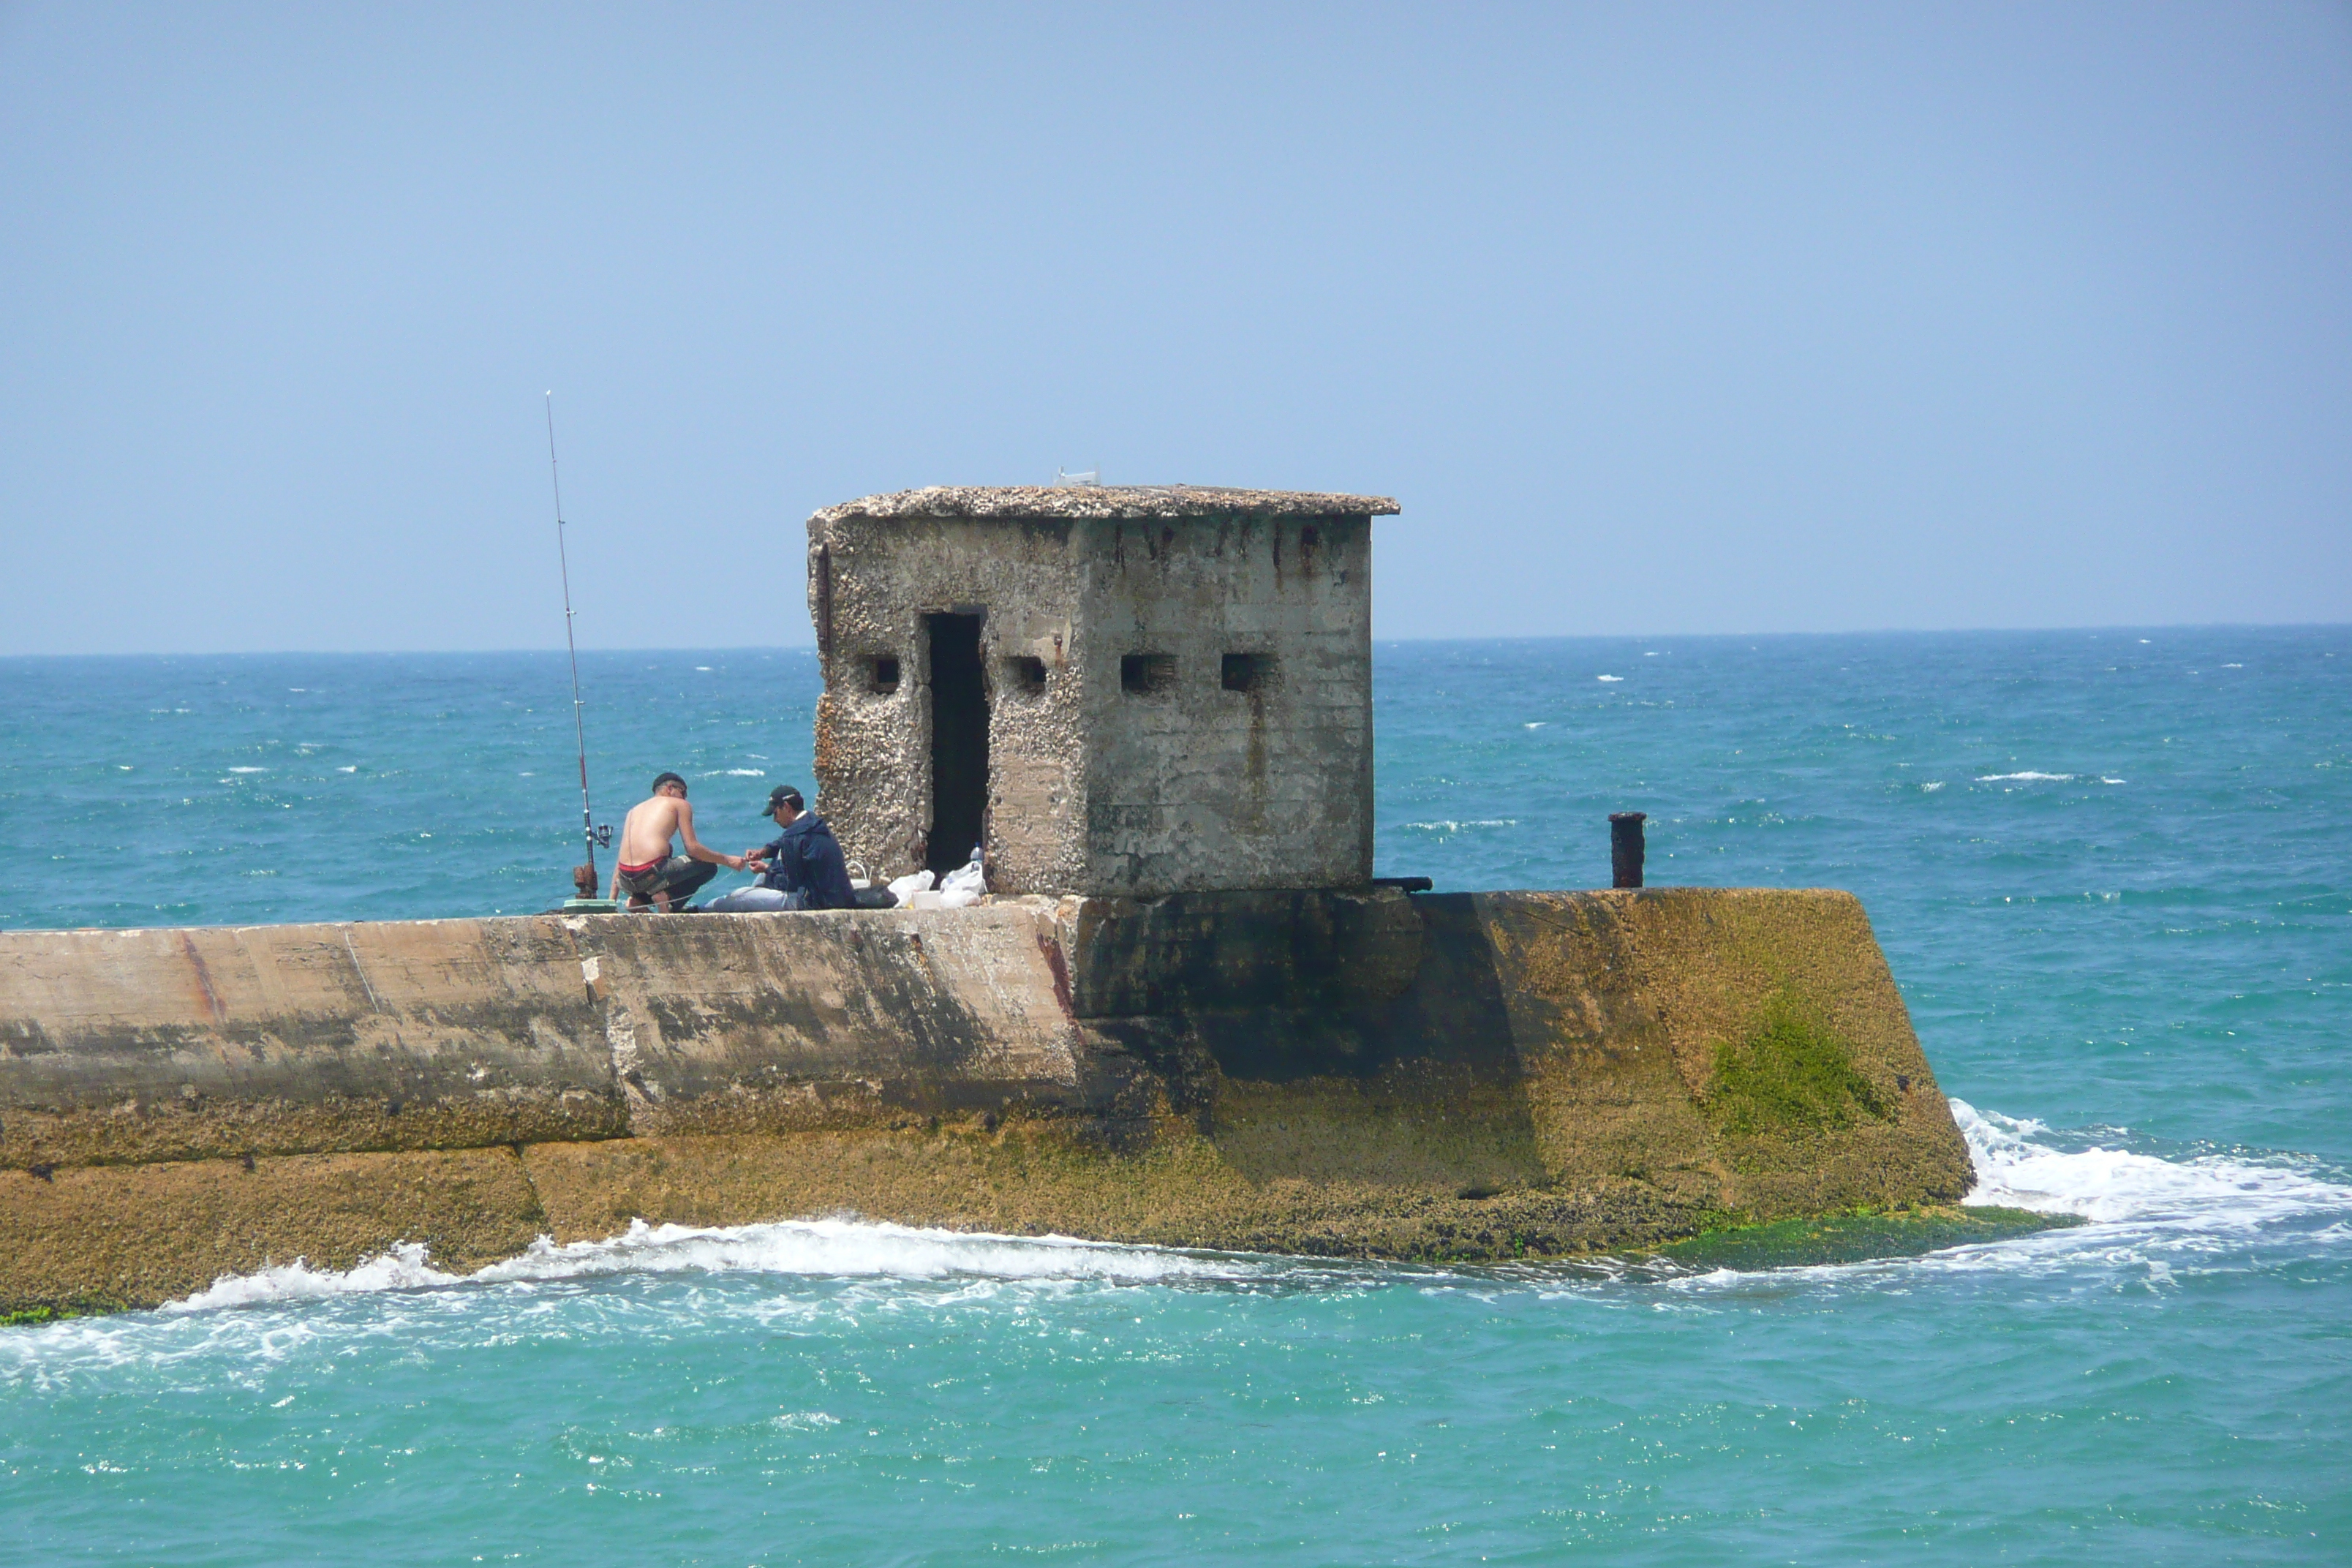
pixel 1147 674
pixel 1248 671
pixel 959 741
pixel 882 673
pixel 1024 675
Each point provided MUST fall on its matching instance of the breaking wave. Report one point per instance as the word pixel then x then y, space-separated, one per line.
pixel 828 1249
pixel 2020 1164
pixel 2145 1213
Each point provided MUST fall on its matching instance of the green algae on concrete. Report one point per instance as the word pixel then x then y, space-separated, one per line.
pixel 1791 1074
pixel 1341 1072
pixel 1857 1237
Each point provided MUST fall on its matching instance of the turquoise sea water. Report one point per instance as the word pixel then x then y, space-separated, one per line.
pixel 2113 872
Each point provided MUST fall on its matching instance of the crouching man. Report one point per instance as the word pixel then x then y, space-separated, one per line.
pixel 802 869
pixel 647 872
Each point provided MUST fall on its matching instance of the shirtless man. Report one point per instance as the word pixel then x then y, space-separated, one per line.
pixel 648 871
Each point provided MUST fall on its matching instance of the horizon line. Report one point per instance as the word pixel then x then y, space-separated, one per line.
pixel 809 646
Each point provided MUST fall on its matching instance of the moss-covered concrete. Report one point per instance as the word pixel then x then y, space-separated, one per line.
pixel 1857 1237
pixel 1353 1073
pixel 104 1238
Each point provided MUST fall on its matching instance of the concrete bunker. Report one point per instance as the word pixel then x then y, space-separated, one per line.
pixel 1112 690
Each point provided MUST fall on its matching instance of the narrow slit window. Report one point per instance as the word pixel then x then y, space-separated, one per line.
pixel 1148 674
pixel 882 674
pixel 1248 671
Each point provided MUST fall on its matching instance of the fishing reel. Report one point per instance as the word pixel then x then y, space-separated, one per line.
pixel 600 835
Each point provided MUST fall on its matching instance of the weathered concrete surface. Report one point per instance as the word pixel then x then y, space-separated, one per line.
pixel 1365 1074
pixel 1236 754
pixel 173 1045
pixel 155 1045
pixel 105 1237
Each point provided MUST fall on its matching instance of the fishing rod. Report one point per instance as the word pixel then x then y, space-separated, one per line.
pixel 590 833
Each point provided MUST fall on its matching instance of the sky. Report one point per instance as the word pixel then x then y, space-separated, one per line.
pixel 1654 319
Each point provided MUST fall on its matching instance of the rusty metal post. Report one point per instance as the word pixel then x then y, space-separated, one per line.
pixel 1625 848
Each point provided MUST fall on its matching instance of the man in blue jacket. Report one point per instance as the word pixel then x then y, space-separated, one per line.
pixel 802 869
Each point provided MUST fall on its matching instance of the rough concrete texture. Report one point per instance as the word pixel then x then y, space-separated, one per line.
pixel 150 1045
pixel 1099 503
pixel 1178 683
pixel 1355 1073
pixel 111 1236
pixel 157 1045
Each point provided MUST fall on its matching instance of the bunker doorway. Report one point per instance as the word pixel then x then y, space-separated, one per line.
pixel 959 740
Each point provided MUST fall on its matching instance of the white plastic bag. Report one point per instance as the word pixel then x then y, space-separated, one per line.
pixel 905 888
pixel 965 879
pixel 958 898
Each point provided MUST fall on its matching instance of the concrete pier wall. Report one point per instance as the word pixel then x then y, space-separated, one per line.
pixel 1373 1074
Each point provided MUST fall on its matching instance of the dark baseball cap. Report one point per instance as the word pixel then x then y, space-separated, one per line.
pixel 783 794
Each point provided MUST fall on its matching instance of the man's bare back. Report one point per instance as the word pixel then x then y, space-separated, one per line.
pixel 651 823
pixel 645 837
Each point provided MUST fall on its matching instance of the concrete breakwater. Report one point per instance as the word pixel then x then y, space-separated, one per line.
pixel 1362 1073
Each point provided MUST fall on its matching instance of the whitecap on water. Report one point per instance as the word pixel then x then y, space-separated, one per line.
pixel 2024 777
pixel 830 1248
pixel 404 1268
pixel 2016 1166
pixel 2146 1213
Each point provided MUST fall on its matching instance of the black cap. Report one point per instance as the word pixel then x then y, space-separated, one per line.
pixel 783 794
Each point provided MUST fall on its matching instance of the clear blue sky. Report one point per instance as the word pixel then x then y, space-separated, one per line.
pixel 1655 318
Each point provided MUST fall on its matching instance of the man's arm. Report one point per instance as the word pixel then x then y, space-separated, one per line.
pixel 696 848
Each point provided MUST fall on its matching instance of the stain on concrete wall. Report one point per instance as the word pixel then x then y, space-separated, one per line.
pixel 1178 683
pixel 1360 1073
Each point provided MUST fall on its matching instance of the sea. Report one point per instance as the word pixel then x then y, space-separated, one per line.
pixel 2112 871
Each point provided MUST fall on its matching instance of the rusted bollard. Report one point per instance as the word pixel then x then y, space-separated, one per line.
pixel 1625 848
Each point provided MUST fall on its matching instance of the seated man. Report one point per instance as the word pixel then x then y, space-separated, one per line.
pixel 647 872
pixel 801 870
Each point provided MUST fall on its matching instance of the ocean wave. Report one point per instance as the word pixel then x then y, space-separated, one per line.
pixel 404 1268
pixel 2140 1210
pixel 2026 777
pixel 830 1248
pixel 2149 1220
pixel 1457 826
pixel 841 1249
pixel 2018 1167
pixel 736 773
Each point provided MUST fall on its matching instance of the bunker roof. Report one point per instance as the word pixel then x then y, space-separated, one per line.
pixel 1103 503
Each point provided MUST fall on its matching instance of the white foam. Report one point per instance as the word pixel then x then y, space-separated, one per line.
pixel 1457 826
pixel 2044 778
pixel 404 1268
pixel 835 1248
pixel 1608 677
pixel 736 773
pixel 841 1249
pixel 248 770
pixel 2017 1168
pixel 2141 1209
